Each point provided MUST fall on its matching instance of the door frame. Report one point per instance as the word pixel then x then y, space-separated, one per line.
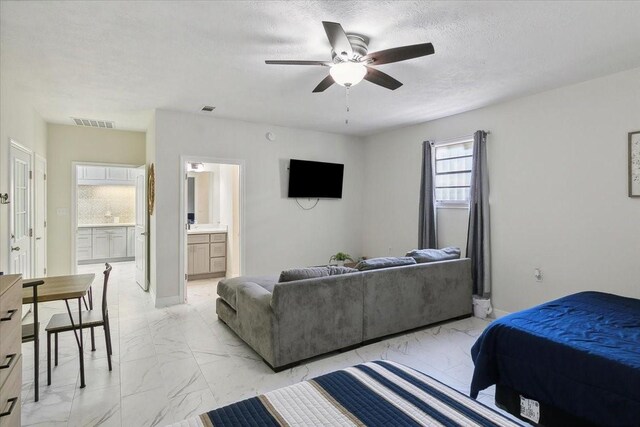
pixel 73 212
pixel 38 157
pixel 184 159
pixel 13 144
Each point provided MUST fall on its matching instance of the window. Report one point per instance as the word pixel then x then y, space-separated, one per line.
pixel 452 172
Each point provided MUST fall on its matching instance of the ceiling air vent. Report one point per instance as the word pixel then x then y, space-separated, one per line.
pixel 94 123
pixel 207 109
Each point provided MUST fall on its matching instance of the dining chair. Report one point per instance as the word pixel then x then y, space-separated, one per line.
pixel 30 333
pixel 61 322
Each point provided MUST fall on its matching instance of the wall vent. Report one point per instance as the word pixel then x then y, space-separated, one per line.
pixel 207 108
pixel 91 123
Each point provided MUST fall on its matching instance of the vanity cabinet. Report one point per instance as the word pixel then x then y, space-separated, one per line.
pixel 206 255
pixel 97 244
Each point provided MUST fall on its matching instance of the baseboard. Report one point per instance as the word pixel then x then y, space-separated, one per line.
pixel 499 313
pixel 166 301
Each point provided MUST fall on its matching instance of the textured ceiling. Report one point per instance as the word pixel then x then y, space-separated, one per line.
pixel 120 60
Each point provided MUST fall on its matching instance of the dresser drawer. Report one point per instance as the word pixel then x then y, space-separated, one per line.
pixel 218 265
pixel 198 238
pixel 10 396
pixel 10 328
pixel 218 250
pixel 84 232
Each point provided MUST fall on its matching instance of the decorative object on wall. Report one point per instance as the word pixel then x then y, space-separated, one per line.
pixel 152 188
pixel 4 198
pixel 634 164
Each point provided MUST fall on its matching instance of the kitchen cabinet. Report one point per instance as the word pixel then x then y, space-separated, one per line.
pixel 107 243
pixel 106 175
pixel 206 255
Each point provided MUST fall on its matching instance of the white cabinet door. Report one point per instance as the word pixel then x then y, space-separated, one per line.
pixel 118 243
pixel 200 257
pixel 100 244
pixel 190 259
pixel 131 241
pixel 117 174
pixel 95 172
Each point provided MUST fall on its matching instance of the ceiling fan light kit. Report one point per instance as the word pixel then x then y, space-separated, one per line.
pixel 348 73
pixel 351 62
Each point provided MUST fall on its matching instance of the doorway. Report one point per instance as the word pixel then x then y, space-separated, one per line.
pixel 109 219
pixel 21 210
pixel 211 214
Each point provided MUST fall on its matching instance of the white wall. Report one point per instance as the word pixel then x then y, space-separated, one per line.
pixel 558 176
pixel 21 122
pixel 67 144
pixel 277 233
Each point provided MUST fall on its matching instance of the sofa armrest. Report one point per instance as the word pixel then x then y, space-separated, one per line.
pixel 256 322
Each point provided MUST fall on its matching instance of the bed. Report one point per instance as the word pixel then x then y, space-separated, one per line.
pixel 572 361
pixel 379 393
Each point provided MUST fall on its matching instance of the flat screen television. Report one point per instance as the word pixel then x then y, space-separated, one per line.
pixel 315 179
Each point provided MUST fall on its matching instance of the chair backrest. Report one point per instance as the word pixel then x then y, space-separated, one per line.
pixel 106 273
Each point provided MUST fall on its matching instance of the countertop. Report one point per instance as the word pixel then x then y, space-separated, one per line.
pixel 207 230
pixel 122 224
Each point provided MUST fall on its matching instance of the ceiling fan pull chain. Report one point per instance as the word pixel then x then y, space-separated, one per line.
pixel 346 120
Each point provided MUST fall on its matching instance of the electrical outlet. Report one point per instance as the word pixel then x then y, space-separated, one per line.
pixel 537 273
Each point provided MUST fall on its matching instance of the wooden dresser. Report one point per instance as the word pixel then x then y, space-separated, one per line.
pixel 10 349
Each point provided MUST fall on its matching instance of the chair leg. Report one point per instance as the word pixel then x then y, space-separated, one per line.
pixel 108 344
pixel 107 326
pixel 36 355
pixel 93 340
pixel 55 339
pixel 48 358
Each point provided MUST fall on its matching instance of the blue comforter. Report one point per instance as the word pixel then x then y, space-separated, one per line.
pixel 580 353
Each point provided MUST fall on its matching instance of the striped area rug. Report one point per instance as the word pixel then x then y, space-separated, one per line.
pixel 379 393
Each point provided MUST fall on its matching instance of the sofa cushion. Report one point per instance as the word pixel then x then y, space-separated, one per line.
pixel 227 287
pixel 335 270
pixel 384 262
pixel 302 273
pixel 433 255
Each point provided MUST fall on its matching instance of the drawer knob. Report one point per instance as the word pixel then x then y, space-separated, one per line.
pixel 13 401
pixel 10 314
pixel 10 358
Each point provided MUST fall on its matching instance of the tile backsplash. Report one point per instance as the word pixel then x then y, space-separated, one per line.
pixel 96 202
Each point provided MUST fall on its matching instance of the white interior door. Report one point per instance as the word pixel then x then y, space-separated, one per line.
pixel 40 217
pixel 141 228
pixel 20 217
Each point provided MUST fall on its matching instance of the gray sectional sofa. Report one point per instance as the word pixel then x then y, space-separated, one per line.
pixel 292 321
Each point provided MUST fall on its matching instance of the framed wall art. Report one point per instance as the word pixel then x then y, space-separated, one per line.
pixel 634 164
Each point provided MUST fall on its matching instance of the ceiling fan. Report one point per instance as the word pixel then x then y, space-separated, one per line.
pixel 351 61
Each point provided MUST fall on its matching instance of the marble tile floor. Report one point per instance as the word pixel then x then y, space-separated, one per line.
pixel 177 362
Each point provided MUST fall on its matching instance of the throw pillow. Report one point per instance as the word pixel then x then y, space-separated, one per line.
pixel 384 262
pixel 302 273
pixel 335 270
pixel 433 255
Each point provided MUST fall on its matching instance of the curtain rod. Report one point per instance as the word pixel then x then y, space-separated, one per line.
pixel 455 140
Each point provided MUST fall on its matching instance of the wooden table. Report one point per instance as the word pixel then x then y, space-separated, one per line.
pixel 65 288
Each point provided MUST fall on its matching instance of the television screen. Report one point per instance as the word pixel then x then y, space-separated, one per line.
pixel 315 179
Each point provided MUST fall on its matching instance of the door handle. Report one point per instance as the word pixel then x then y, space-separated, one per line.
pixel 15 248
pixel 143 234
pixel 38 238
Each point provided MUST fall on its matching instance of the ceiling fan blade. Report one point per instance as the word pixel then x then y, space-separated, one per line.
pixel 287 62
pixel 400 53
pixel 338 39
pixel 381 79
pixel 324 84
